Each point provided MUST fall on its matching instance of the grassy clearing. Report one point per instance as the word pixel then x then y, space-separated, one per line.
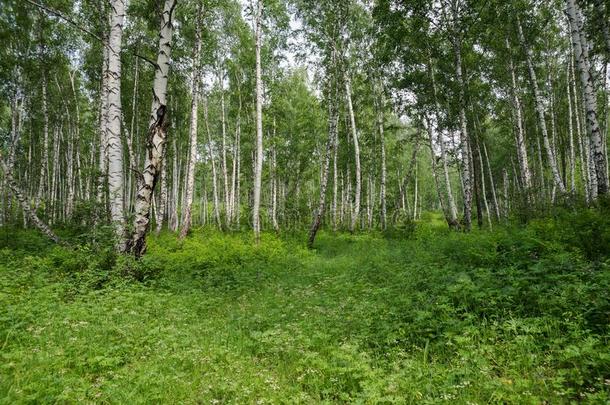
pixel 520 315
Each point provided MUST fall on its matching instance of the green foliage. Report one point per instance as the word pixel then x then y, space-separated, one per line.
pixel 518 315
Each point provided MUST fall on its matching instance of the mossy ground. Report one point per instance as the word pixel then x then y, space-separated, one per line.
pixel 517 315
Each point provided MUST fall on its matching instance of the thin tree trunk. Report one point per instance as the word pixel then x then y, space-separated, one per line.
pixel 258 167
pixel 483 188
pixel 350 109
pixel 382 186
pixel 332 134
pixel 464 137
pixel 415 192
pixel 103 152
pixel 571 129
pixel 335 184
pixel 192 162
pixel 274 222
pixel 156 135
pixel 213 162
pixel 44 167
pixel 174 201
pixel 580 48
pixel 506 196
pixel 526 174
pixel 540 111
pixel 439 193
pixel 161 206
pixel 452 213
pixel 25 204
pixel 492 183
pixel 225 174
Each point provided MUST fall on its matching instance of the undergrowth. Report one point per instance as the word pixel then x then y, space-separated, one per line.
pixel 414 315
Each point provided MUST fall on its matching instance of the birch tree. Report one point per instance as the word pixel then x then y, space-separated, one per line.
pixel 192 161
pixel 583 64
pixel 540 110
pixel 258 164
pixel 114 118
pixel 157 135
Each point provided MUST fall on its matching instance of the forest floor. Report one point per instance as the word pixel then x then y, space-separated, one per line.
pixel 517 315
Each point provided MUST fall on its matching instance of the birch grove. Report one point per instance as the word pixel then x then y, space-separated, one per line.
pixel 293 116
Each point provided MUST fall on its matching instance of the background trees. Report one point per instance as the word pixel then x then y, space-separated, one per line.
pixel 277 110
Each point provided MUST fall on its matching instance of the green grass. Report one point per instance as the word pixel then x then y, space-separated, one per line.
pixel 519 315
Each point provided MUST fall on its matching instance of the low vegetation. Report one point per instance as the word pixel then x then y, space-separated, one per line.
pixel 420 315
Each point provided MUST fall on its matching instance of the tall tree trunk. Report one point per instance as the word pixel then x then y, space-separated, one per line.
pixel 192 162
pixel 540 111
pixel 134 159
pixel 103 151
pixel 235 173
pixel 415 193
pixel 43 181
pixel 464 137
pixel 439 192
pixel 333 115
pixel 274 222
pixel 506 196
pixel 258 167
pixel 113 124
pixel 571 129
pixel 334 206
pixel 452 208
pixel 492 183
pixel 350 109
pixel 157 134
pixel 237 202
pixel 223 162
pixel 213 163
pixel 382 186
pixel 483 188
pixel 526 174
pixel 581 52
pixel 174 200
pixel 75 192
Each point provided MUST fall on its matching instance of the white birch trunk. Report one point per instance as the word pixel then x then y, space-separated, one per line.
pixel 382 186
pixel 526 174
pixel 540 111
pixel 464 138
pixel 350 108
pixel 258 167
pixel 161 206
pixel 213 163
pixel 113 124
pixel 192 161
pixel 156 135
pixel 581 52
pixel 453 214
pixel 44 160
pixel 332 134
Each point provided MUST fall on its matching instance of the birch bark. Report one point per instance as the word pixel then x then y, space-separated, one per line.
pixel 540 110
pixel 581 52
pixel 113 124
pixel 350 108
pixel 258 167
pixel 157 134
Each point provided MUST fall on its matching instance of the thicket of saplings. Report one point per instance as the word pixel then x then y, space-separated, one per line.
pixel 417 314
